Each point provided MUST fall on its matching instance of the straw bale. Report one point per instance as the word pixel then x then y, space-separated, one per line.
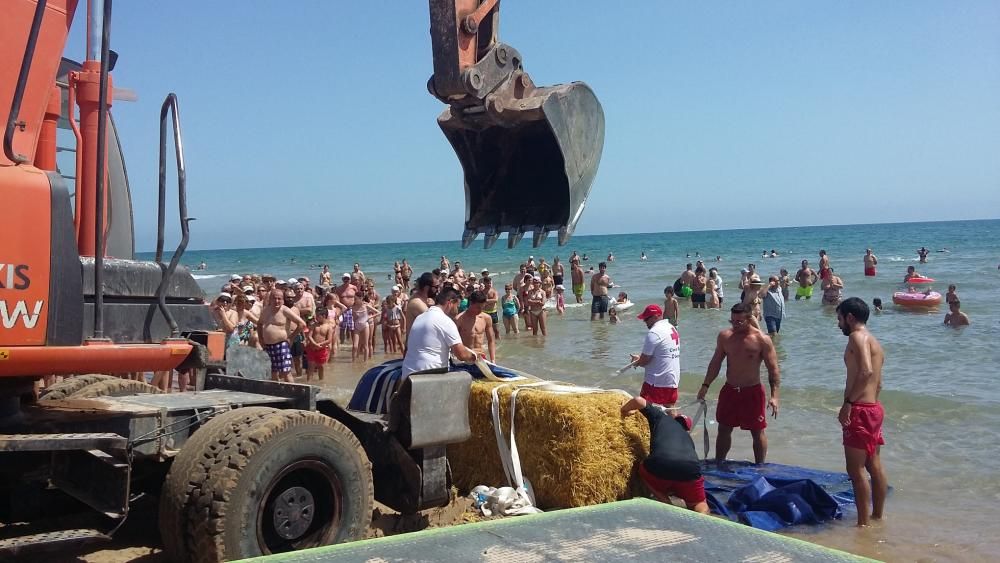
pixel 575 449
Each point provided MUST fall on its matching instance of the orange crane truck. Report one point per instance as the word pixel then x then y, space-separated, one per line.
pixel 241 466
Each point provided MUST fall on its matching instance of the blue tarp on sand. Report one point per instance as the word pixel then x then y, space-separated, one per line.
pixel 772 496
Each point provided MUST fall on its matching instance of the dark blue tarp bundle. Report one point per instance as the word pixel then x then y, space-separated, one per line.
pixel 772 496
pixel 378 384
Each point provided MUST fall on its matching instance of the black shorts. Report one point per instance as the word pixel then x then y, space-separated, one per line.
pixel 495 317
pixel 557 280
pixel 599 304
pixel 298 348
pixel 697 297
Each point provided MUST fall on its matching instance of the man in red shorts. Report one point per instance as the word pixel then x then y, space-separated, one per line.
pixel 743 401
pixel 672 467
pixel 861 415
pixel 661 358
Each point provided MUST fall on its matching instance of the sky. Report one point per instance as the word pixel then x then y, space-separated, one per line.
pixel 309 123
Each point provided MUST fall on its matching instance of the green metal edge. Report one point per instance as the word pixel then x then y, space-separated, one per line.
pixel 513 521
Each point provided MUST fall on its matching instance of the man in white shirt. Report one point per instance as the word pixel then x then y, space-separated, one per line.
pixel 661 358
pixel 434 334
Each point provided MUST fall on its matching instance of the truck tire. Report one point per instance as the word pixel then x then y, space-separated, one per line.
pixel 71 385
pixel 290 480
pixel 114 387
pixel 189 471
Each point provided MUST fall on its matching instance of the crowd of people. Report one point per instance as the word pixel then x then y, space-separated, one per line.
pixel 451 312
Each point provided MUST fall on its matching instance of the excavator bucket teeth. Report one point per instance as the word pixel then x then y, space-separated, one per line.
pixel 529 162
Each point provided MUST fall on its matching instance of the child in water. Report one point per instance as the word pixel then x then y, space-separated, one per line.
pixel 560 299
pixel 784 281
pixel 877 305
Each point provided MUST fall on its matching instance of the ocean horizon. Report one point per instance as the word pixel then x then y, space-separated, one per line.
pixel 527 239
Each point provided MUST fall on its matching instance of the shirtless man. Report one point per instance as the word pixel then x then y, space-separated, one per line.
pixel 922 253
pixel 491 307
pixel 698 284
pixel 459 273
pixel 599 284
pixel 870 262
pixel 955 317
pixel 576 275
pixel 474 327
pixel 832 286
pixel 824 265
pixel 325 277
pixel 861 415
pixel 304 301
pixel 807 279
pixel 687 276
pixel 347 292
pixel 357 272
pixel 427 289
pixel 445 264
pixel 742 401
pixel 279 324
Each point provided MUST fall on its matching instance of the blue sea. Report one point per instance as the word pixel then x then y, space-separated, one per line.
pixel 941 391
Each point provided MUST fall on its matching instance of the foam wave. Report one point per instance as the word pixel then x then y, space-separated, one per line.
pixel 206 276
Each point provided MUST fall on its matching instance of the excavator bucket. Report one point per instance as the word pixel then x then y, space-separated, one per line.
pixel 529 156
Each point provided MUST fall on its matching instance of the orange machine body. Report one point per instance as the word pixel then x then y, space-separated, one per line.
pixel 24 255
pixel 14 29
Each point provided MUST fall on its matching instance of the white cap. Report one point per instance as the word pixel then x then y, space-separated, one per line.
pixel 560 286
pixel 537 278
pixel 247 288
pixel 292 281
pixel 397 288
pixel 235 277
pixel 345 276
pixel 226 295
pixel 251 299
pixel 280 282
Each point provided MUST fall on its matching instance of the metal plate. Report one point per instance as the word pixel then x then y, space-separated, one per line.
pixel 638 529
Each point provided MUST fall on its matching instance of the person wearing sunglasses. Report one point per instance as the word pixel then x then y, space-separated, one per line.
pixel 742 400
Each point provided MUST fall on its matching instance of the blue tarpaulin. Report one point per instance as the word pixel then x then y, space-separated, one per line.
pixel 772 496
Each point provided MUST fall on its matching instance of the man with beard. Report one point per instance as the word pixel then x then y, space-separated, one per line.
pixel 427 289
pixel 743 401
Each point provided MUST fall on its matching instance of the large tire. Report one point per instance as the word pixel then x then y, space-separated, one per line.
pixel 114 387
pixel 290 480
pixel 71 385
pixel 189 471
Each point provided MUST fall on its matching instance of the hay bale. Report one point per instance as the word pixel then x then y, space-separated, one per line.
pixel 575 449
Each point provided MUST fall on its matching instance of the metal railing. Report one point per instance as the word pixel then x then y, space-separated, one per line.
pixel 170 105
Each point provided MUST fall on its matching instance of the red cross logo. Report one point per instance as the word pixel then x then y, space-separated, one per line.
pixel 676 336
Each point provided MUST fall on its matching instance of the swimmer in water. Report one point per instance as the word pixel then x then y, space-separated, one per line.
pixel 877 305
pixel 642 256
pixel 955 316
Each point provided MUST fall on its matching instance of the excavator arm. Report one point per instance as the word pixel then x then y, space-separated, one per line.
pixel 529 154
